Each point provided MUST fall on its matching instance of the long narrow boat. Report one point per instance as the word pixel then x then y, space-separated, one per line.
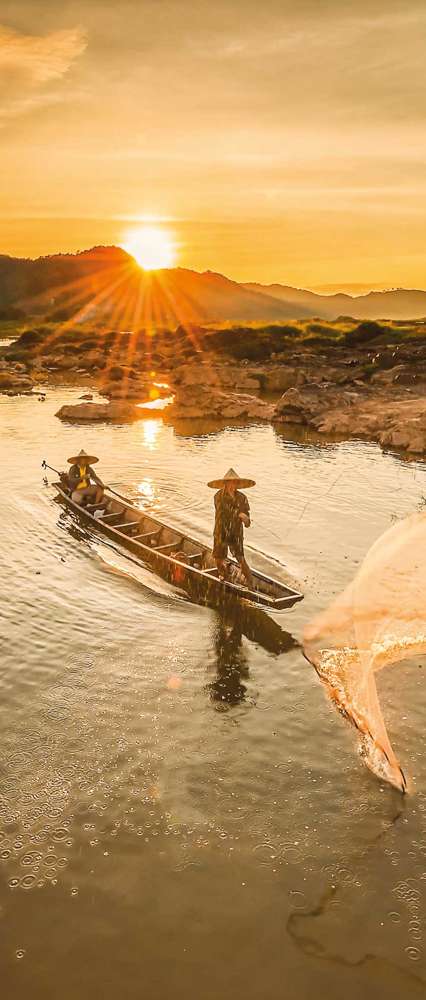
pixel 175 556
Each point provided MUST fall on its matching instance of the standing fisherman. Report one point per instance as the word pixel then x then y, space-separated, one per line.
pixel 83 481
pixel 232 514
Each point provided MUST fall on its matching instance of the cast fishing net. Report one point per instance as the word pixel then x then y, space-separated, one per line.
pixel 378 620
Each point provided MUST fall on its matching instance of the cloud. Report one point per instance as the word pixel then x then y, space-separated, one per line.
pixel 30 66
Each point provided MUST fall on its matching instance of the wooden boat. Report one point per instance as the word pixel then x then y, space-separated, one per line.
pixel 175 556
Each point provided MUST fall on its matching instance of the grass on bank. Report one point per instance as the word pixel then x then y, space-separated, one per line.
pixel 251 342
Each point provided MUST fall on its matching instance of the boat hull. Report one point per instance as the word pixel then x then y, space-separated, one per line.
pixel 200 584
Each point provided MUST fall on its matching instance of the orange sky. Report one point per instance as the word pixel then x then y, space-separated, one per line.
pixel 281 142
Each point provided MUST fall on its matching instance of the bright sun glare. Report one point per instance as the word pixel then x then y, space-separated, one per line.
pixel 151 247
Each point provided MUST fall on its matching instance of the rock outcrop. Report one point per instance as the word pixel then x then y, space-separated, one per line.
pixel 278 378
pixel 14 380
pixel 139 390
pixel 199 401
pixel 305 405
pixel 118 412
pixel 239 378
pixel 394 423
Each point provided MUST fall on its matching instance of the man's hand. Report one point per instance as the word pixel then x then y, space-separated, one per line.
pixel 245 519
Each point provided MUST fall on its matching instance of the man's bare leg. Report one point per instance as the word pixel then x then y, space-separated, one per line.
pixel 246 571
pixel 221 566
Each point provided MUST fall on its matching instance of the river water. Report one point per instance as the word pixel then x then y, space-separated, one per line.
pixel 182 813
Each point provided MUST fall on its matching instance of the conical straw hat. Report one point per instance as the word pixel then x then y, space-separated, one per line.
pixel 82 459
pixel 233 477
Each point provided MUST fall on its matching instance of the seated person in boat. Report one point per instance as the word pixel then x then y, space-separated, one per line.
pixel 232 512
pixel 83 482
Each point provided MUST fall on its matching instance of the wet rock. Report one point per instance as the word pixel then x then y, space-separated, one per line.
pixel 116 412
pixel 64 362
pixel 393 422
pixel 278 379
pixel 303 405
pixel 406 430
pixel 88 362
pixel 13 382
pixel 226 376
pixel 134 390
pixel 119 372
pixel 20 368
pixel 199 401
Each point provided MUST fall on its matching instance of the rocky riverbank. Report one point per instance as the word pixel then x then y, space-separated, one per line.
pixel 352 379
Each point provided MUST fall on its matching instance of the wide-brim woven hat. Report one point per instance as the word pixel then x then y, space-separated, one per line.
pixel 82 459
pixel 233 477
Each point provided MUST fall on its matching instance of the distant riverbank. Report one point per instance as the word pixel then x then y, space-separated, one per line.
pixel 357 379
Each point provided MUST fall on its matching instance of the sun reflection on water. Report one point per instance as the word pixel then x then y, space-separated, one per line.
pixel 146 488
pixel 159 403
pixel 150 430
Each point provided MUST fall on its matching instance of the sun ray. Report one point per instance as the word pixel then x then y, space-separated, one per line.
pixel 93 302
pixel 148 305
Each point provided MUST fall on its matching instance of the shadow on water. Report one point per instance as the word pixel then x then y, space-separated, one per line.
pixel 309 928
pixel 307 437
pixel 205 428
pixel 231 662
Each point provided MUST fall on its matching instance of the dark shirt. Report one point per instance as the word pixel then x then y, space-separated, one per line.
pixel 74 477
pixel 228 506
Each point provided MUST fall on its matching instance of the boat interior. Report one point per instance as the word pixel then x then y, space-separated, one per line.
pixel 133 524
pixel 145 530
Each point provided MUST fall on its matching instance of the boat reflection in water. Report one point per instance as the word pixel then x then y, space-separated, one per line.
pixel 231 623
pixel 231 663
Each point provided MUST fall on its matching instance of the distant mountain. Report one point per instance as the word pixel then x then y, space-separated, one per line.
pixel 349 287
pixel 398 303
pixel 107 282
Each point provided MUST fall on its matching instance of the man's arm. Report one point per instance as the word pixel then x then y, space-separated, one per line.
pixel 245 511
pixel 218 512
pixel 73 476
pixel 218 505
pixel 95 478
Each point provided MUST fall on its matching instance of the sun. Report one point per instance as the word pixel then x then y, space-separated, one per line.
pixel 151 246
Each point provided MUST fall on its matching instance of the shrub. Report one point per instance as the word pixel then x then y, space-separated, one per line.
pixel 30 338
pixel 364 332
pixel 319 328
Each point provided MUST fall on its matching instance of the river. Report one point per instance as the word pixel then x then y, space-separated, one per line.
pixel 182 813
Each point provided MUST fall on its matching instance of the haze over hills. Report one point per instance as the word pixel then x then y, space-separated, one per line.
pixel 397 303
pixel 106 281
